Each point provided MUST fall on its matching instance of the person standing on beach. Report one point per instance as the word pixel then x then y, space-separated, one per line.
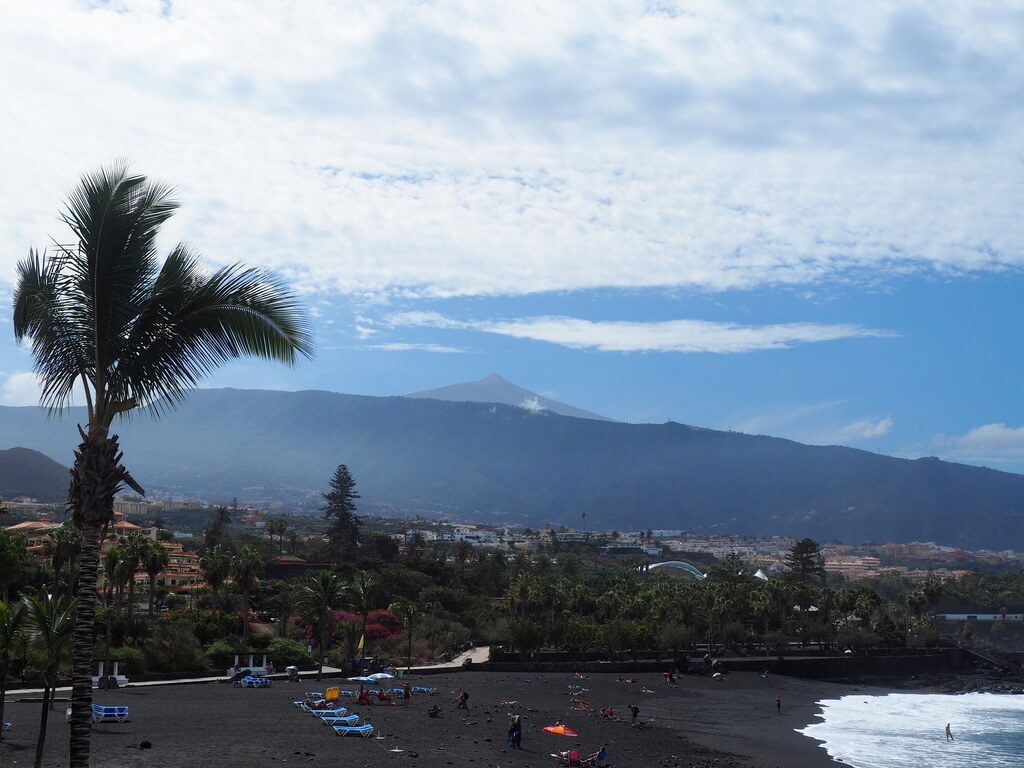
pixel 406 693
pixel 778 703
pixel 462 698
pixel 949 733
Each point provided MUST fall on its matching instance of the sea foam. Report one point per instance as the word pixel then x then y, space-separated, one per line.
pixel 908 730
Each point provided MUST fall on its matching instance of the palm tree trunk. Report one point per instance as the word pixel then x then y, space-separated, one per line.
pixel 43 718
pixel 152 594
pixel 4 669
pixel 245 616
pixel 81 681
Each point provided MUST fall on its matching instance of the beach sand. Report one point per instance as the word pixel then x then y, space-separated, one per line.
pixel 702 722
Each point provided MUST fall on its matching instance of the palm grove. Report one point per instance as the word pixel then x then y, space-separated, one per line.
pixel 136 333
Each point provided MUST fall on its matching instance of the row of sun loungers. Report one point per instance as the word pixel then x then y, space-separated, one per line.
pixel 339 718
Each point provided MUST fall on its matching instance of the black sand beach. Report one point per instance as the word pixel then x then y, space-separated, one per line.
pixel 702 722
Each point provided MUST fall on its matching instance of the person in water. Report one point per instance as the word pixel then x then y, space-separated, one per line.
pixel 949 733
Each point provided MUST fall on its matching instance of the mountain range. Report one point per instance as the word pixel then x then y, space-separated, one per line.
pixel 497 463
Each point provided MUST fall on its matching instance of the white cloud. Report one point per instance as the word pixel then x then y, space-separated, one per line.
pixel 864 429
pixel 532 404
pixel 403 347
pixel 987 444
pixel 20 389
pixel 460 148
pixel 667 336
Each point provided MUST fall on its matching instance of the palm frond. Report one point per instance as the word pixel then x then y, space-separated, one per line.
pixel 193 324
pixel 43 313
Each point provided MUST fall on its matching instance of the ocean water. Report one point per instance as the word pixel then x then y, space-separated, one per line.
pixel 908 729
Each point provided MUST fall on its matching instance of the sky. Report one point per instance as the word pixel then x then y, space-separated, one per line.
pixel 800 219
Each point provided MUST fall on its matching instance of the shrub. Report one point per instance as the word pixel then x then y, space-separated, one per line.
pixel 282 652
pixel 131 660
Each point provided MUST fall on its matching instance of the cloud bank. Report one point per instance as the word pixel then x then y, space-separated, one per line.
pixel 466 149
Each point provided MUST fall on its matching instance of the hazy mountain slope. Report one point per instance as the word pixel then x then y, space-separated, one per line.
pixel 24 472
pixel 495 389
pixel 503 463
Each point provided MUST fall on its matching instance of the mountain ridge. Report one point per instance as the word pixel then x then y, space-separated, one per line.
pixel 503 464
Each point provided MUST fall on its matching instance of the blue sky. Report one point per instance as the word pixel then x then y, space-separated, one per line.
pixel 779 218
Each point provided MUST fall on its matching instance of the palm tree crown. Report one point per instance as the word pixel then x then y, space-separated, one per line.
pixel 134 332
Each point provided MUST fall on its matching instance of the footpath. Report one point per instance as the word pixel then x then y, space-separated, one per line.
pixel 475 655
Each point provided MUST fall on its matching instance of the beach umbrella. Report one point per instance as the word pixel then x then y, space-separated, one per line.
pixel 380 676
pixel 362 680
pixel 560 730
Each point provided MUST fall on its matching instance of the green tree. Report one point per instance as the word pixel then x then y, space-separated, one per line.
pixel 246 568
pixel 319 596
pixel 50 624
pixel 409 612
pixel 339 509
pixel 806 570
pixel 276 526
pixel 133 547
pixel 215 532
pixel 13 560
pixel 62 547
pixel 11 617
pixel 361 590
pixel 111 558
pixel 105 314
pixel 154 559
pixel 215 565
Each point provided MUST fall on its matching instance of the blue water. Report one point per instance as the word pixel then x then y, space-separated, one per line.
pixel 907 729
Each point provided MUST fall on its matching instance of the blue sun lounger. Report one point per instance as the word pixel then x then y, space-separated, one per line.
pixel 102 714
pixel 354 730
pixel 5 727
pixel 421 689
pixel 253 682
pixel 324 712
pixel 340 719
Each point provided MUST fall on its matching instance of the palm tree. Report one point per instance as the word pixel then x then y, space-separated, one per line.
pixel 62 546
pixel 154 560
pixel 111 558
pixel 215 565
pixel 11 617
pixel 246 568
pixel 216 526
pixel 408 612
pixel 105 314
pixel 51 623
pixel 320 596
pixel 361 589
pixel 276 526
pixel 133 546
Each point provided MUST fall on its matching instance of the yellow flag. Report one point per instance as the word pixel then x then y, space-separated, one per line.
pixel 360 646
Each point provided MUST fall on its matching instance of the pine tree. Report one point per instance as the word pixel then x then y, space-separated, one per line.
pixel 343 534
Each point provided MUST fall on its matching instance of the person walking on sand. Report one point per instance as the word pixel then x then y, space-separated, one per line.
pixel 949 733
pixel 462 698
pixel 778 703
